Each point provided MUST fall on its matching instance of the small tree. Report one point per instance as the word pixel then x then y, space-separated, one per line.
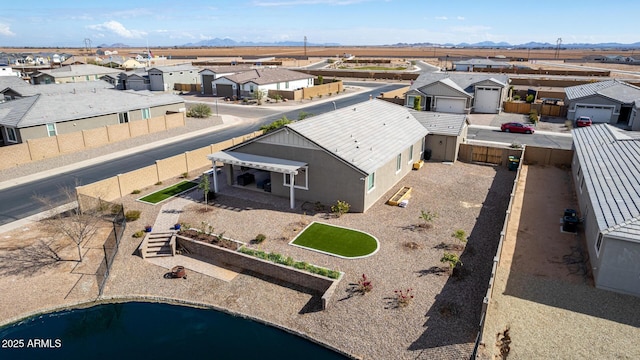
pixel 199 111
pixel 277 97
pixel 258 95
pixel 320 80
pixel 416 103
pixel 205 185
pixel 428 217
pixel 452 259
pixel 275 125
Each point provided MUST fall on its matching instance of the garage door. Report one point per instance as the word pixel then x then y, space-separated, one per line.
pixel 223 90
pixel 455 106
pixel 601 114
pixel 487 100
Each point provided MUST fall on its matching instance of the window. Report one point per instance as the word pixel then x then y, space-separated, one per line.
pixel 146 113
pixel 371 181
pixel 250 88
pixel 51 129
pixel 301 180
pixel 87 77
pixel 410 154
pixel 598 244
pixel 398 163
pixel 286 85
pixel 123 117
pixel 11 135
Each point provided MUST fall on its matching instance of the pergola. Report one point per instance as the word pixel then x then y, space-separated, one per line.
pixel 267 163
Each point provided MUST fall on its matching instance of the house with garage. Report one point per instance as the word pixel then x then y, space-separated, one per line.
pixel 71 74
pixel 446 133
pixel 36 112
pixel 209 74
pixel 610 102
pixel 164 78
pixel 245 84
pixel 470 64
pixel 606 174
pixel 354 154
pixel 458 93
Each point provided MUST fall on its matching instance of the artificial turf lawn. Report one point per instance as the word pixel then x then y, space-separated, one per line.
pixel 337 240
pixel 166 193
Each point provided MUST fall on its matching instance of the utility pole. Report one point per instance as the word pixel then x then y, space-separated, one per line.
pixel 558 43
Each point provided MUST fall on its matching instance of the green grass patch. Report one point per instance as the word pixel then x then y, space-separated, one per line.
pixel 166 193
pixel 336 240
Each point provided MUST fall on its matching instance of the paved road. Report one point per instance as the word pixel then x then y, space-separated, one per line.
pixel 17 201
pixel 540 138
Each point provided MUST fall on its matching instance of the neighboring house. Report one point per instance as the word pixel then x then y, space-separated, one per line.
pixel 606 172
pixel 164 78
pixel 610 101
pixel 71 74
pixel 354 154
pixel 446 133
pixel 85 106
pixel 247 83
pixel 130 64
pixel 135 80
pixel 6 70
pixel 209 74
pixel 469 65
pixel 458 93
pixel 16 88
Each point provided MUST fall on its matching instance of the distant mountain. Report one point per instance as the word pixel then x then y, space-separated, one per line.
pixel 529 45
pixel 116 45
pixel 230 42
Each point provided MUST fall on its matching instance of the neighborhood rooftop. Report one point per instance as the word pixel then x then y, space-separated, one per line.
pixel 364 135
pixel 612 89
pixel 441 123
pixel 78 70
pixel 610 163
pixel 463 80
pixel 267 76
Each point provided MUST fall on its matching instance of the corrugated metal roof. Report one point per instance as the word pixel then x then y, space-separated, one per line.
pixel 610 164
pixel 612 89
pixel 365 135
pixel 441 123
pixel 464 81
pixel 57 107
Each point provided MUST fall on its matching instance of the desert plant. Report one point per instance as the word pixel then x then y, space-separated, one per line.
pixel 138 234
pixel 185 175
pixel 275 125
pixel 428 218
pixel 460 235
pixel 452 259
pixel 303 115
pixel 320 80
pixel 340 208
pixel 136 191
pixel 116 208
pixel 364 285
pixel 258 95
pixel 529 98
pixel 199 111
pixel 159 183
pixel 416 103
pixel 260 238
pixel 516 97
pixel 533 117
pixel 205 186
pixel 132 215
pixel 277 97
pixel 403 297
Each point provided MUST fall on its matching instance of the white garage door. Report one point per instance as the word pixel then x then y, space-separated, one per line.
pixel 447 105
pixel 487 100
pixel 601 114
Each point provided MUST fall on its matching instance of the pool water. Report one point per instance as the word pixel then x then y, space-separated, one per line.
pixel 154 331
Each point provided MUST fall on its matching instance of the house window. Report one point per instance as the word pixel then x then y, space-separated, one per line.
pixel 87 77
pixel 410 101
pixel 286 85
pixel 410 154
pixel 371 181
pixel 146 113
pixel 95 77
pixel 278 86
pixel 598 244
pixel 11 135
pixel 250 88
pixel 51 130
pixel 301 180
pixel 123 117
pixel 398 163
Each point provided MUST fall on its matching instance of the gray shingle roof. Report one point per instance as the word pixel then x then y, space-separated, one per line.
pixel 365 135
pixel 266 76
pixel 174 68
pixel 612 89
pixel 79 70
pixel 610 164
pixel 29 90
pixel 58 107
pixel 464 80
pixel 441 123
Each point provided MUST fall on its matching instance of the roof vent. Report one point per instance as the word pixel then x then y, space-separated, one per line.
pixel 354 109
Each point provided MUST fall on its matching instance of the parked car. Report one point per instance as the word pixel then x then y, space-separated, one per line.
pixel 583 121
pixel 517 127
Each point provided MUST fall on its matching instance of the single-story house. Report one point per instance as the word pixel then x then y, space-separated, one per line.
pixel 6 70
pixel 469 65
pixel 606 173
pixel 458 93
pixel 610 101
pixel 245 84
pixel 86 106
pixel 164 78
pixel 446 133
pixel 209 74
pixel 71 74
pixel 354 154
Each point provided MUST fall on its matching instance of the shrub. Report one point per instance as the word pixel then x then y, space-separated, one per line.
pixel 136 191
pixel 364 285
pixel 416 103
pixel 185 175
pixel 320 80
pixel 403 297
pixel 260 238
pixel 138 234
pixel 529 98
pixel 516 97
pixel 116 208
pixel 460 235
pixel 289 261
pixel 199 111
pixel 533 116
pixel 340 208
pixel 275 125
pixel 452 259
pixel 303 115
pixel 159 183
pixel 132 215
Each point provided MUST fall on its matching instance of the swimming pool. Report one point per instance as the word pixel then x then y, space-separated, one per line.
pixel 154 331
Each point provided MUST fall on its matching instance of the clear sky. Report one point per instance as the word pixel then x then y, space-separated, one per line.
pixel 347 22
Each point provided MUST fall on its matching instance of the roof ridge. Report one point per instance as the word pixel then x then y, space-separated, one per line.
pixel 24 114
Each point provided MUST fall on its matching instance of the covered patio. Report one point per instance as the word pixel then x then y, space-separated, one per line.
pixel 264 163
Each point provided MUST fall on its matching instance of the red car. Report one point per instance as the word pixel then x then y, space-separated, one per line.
pixel 517 127
pixel 583 121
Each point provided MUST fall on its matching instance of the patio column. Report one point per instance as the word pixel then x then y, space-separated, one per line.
pixel 215 178
pixel 292 198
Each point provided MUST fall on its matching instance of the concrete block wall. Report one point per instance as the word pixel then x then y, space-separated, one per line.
pixel 138 128
pixel 156 124
pixel 137 179
pixel 43 148
pixel 71 142
pixel 174 120
pixel 118 132
pixel 96 137
pixel 171 167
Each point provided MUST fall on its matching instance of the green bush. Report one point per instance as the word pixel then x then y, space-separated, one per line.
pixel 275 125
pixel 529 98
pixel 199 111
pixel 116 208
pixel 138 234
pixel 460 235
pixel 136 191
pixel 533 116
pixel 132 215
pixel 288 261
pixel 260 238
pixel 516 97
pixel 340 208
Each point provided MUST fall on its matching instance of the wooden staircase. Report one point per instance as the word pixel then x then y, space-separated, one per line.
pixel 158 244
